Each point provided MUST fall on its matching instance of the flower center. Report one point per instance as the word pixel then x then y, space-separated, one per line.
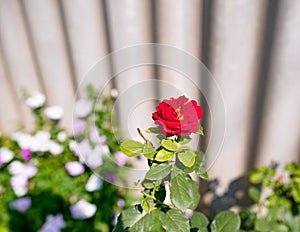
pixel 179 115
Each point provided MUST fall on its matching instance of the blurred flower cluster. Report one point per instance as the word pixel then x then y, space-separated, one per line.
pixel 52 180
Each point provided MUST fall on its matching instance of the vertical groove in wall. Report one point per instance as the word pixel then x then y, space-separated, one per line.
pixel 155 41
pixel 263 78
pixel 8 80
pixel 68 46
pixel 108 39
pixel 32 47
pixel 207 22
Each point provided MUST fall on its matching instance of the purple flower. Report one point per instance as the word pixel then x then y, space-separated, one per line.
pixel 95 137
pixel 74 168
pixel 111 178
pixel 78 126
pixel 83 108
pixel 121 158
pixel 21 204
pixel 83 210
pixel 53 224
pixel 94 159
pixel 26 154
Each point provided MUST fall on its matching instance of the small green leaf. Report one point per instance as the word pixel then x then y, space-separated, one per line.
pixel 256 177
pixel 149 184
pixel 254 194
pixel 200 166
pixel 262 225
pixel 184 192
pixel 133 219
pixel 158 172
pixel 199 221
pixel 148 150
pixel 132 148
pixel 187 158
pixel 164 155
pixel 182 140
pixel 154 130
pixel 174 220
pixel 226 221
pixel 200 131
pixel 169 144
pixel 160 138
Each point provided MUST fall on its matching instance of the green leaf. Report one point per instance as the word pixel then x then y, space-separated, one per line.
pixel 132 148
pixel 154 130
pixel 199 221
pixel 187 158
pixel 254 194
pixel 256 177
pixel 164 155
pixel 262 225
pixel 200 166
pixel 160 138
pixel 133 219
pixel 149 184
pixel 184 192
pixel 226 221
pixel 182 140
pixel 200 131
pixel 158 172
pixel 148 150
pixel 174 221
pixel 169 144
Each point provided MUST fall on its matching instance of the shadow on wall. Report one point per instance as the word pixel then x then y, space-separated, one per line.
pixel 235 196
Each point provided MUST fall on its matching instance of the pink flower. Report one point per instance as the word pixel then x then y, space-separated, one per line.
pixel 78 127
pixel 121 158
pixel 74 168
pixel 111 178
pixel 26 154
pixel 83 108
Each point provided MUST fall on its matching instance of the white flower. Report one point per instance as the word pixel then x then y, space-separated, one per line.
pixel 121 203
pixel 19 185
pixel 94 183
pixel 114 93
pixel 24 140
pixel 74 168
pixel 53 224
pixel 55 148
pixel 5 155
pixel 83 210
pixel 62 136
pixel 54 112
pixel 36 100
pixel 21 204
pixel 83 108
pixel 15 168
pixel 94 158
pixel 40 141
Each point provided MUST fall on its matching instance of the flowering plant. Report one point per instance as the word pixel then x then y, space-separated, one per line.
pixel 49 179
pixel 276 196
pixel 169 192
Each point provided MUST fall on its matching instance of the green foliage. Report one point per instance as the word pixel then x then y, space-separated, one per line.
pixel 170 164
pixel 276 198
pixel 225 222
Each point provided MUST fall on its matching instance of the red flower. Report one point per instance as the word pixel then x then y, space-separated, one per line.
pixel 178 116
